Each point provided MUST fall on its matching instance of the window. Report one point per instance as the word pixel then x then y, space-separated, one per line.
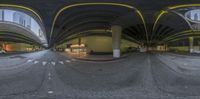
pixel 23 19
pixel 193 15
pixel 1 15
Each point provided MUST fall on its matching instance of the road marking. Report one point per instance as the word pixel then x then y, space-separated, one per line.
pixel 61 62
pixel 186 86
pixel 49 74
pixel 68 61
pixel 35 62
pixel 185 64
pixel 44 63
pixel 53 63
pixel 29 61
pixel 50 92
pixel 49 78
pixel 73 59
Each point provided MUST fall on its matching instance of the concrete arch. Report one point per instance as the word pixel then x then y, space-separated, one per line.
pixel 11 26
pixel 98 3
pixel 169 9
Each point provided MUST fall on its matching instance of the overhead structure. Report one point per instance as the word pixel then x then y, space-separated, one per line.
pixel 184 20
pixel 116 40
pixel 21 24
pixel 142 22
pixel 75 18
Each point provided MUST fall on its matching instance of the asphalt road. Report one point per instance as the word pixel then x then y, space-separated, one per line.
pixel 49 75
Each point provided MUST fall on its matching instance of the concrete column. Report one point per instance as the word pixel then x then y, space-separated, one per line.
pixel 166 47
pixel 191 44
pixel 116 40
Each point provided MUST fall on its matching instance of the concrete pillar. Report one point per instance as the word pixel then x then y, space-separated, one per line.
pixel 116 40
pixel 166 47
pixel 191 44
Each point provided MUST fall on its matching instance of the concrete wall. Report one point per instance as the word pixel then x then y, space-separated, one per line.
pixel 125 44
pixel 185 49
pixel 180 48
pixel 197 48
pixel 100 43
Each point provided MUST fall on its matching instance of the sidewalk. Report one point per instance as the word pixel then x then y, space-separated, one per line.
pixel 11 62
pixel 97 58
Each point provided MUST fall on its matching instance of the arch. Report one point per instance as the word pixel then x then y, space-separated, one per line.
pixel 163 12
pixel 98 3
pixel 183 33
pixel 22 7
pixel 27 20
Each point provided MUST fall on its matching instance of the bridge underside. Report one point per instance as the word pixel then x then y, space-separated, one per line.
pixel 94 49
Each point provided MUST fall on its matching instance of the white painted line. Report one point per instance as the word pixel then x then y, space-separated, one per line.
pixel 49 74
pixel 68 61
pixel 185 64
pixel 50 92
pixel 35 62
pixel 73 59
pixel 29 61
pixel 44 63
pixel 53 63
pixel 186 86
pixel 61 62
pixel 49 78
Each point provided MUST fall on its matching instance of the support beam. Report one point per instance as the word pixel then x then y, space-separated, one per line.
pixel 166 47
pixel 191 44
pixel 116 40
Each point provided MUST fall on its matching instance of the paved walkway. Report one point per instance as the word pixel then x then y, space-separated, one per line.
pixel 94 57
pixel 49 75
pixel 181 63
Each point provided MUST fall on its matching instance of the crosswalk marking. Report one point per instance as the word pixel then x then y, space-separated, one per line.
pixel 61 62
pixel 68 61
pixel 53 63
pixel 73 59
pixel 44 63
pixel 35 62
pixel 50 92
pixel 29 61
pixel 49 74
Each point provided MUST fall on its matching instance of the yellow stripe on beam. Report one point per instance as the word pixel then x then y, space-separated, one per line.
pixel 158 18
pixel 145 26
pixel 171 8
pixel 99 3
pixel 187 32
pixel 183 6
pixel 181 39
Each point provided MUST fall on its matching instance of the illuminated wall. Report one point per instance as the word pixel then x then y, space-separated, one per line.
pixel 180 48
pixel 184 48
pixel 15 47
pixel 125 44
pixel 100 43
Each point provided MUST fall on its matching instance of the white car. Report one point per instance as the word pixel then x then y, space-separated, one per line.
pixel 2 51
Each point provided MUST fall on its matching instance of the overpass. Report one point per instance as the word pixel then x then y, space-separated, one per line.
pixel 94 49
